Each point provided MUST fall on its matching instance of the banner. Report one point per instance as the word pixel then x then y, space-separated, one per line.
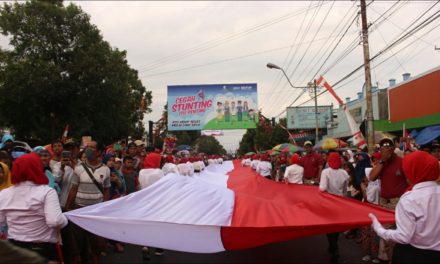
pixel 304 117
pixel 212 106
pixel 212 133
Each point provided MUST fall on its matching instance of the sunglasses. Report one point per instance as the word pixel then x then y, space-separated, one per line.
pixel 386 145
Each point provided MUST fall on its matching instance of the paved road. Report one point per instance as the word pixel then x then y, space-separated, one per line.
pixel 304 250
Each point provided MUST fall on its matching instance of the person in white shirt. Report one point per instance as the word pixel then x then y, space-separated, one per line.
pixel 254 162
pixel 183 167
pixel 334 180
pixel 294 173
pixel 151 172
pixel 169 166
pixel 31 208
pixel 264 167
pixel 190 167
pixel 417 213
pixel 372 190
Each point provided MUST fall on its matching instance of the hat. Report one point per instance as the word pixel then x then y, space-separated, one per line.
pixel 131 144
pixel 118 159
pixel 308 143
pixel 435 144
pixel 71 142
pixel 386 140
pixel 139 143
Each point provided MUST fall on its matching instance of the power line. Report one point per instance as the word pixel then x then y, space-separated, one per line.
pixel 307 49
pixel 280 76
pixel 348 51
pixel 360 67
pixel 224 60
pixel 216 42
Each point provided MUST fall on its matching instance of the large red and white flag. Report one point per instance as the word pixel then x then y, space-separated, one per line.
pixel 226 207
pixel 358 138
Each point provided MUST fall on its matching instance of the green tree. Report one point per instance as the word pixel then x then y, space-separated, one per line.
pixel 187 137
pixel 60 71
pixel 209 145
pixel 262 139
pixel 279 135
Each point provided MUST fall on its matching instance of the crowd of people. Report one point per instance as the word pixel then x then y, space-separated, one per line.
pixel 405 181
pixel 37 185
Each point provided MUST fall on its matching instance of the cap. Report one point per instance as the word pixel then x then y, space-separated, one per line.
pixel 387 141
pixel 307 143
pixel 70 142
pixel 435 144
pixel 118 159
pixel 131 144
pixel 139 143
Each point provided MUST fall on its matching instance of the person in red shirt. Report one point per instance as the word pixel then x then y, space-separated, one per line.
pixel 389 171
pixel 393 185
pixel 312 164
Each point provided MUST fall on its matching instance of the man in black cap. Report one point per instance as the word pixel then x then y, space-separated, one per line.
pixel 393 185
pixel 435 149
pixel 312 164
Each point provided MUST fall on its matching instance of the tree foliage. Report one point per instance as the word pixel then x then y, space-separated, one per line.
pixel 209 145
pixel 188 137
pixel 262 139
pixel 60 71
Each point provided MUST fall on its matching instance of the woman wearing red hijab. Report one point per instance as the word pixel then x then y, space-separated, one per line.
pixel 334 180
pixel 294 173
pixel 151 172
pixel 31 208
pixel 417 214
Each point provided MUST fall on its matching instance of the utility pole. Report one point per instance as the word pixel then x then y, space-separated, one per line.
pixel 316 113
pixel 370 128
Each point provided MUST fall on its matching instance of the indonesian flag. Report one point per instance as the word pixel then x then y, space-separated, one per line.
pixel 226 207
pixel 358 138
pixel 64 136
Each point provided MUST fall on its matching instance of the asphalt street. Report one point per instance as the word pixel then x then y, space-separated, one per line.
pixel 305 250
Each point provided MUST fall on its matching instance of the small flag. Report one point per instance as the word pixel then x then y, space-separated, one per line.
pixel 64 136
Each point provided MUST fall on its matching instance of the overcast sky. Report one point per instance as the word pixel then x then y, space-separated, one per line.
pixel 183 42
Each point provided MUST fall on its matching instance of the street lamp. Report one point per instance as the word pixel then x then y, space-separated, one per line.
pixel 311 86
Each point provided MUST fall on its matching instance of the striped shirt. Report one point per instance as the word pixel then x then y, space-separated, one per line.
pixel 88 193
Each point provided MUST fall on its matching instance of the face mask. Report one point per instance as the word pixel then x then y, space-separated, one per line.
pixel 90 154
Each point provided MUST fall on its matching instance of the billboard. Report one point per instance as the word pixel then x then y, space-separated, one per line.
pixel 212 133
pixel 304 117
pixel 212 106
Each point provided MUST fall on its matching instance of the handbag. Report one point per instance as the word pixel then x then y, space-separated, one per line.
pixel 99 186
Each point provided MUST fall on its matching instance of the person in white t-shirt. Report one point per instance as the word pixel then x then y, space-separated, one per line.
pixel 264 167
pixel 254 162
pixel 334 180
pixel 169 166
pixel 183 167
pixel 294 173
